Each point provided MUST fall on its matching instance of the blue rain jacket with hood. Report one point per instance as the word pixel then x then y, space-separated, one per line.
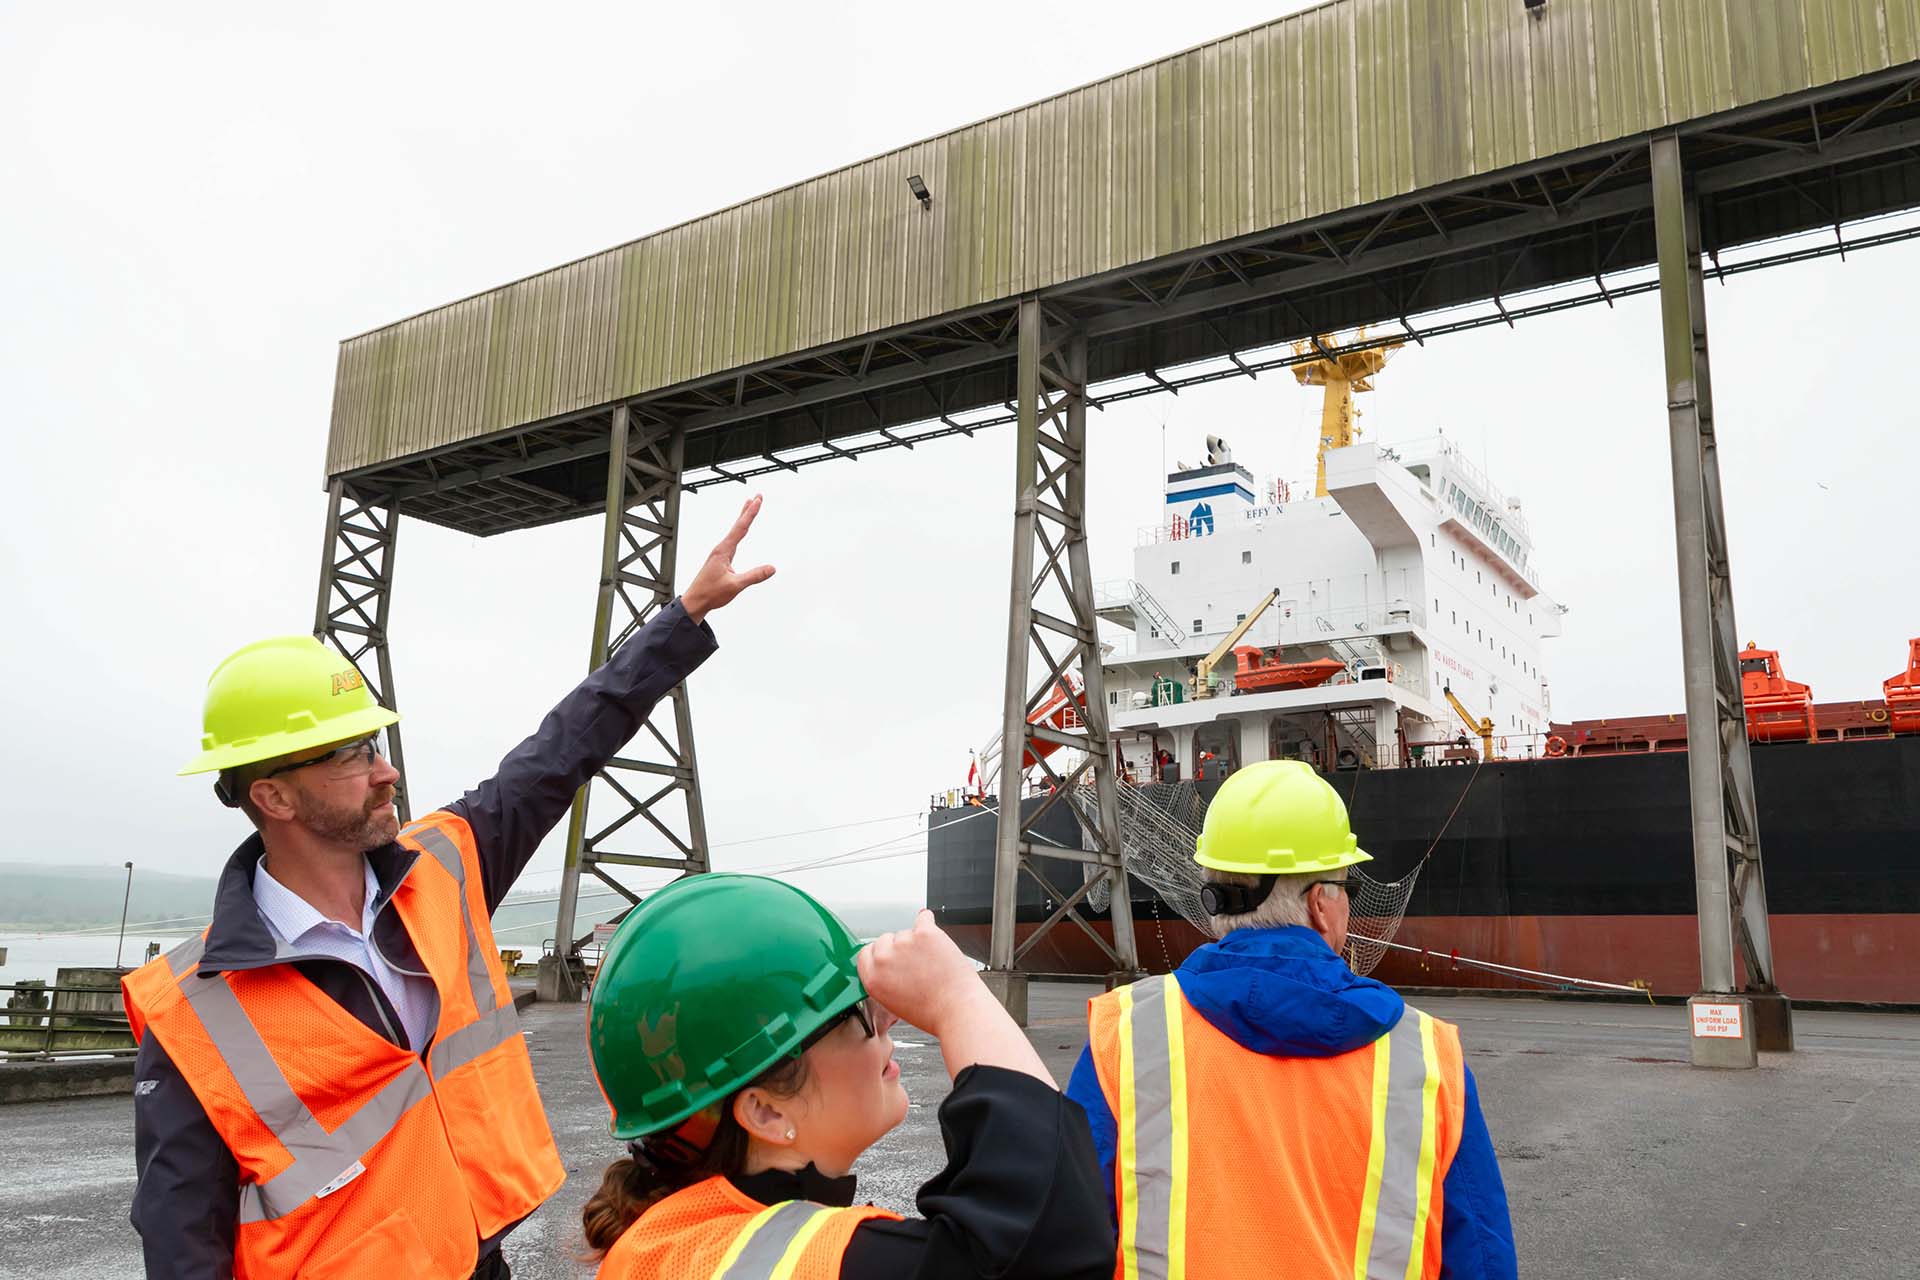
pixel 1285 993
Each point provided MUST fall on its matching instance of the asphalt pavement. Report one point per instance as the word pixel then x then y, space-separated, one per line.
pixel 1620 1159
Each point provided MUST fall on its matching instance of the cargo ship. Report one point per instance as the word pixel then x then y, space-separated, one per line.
pixel 1388 624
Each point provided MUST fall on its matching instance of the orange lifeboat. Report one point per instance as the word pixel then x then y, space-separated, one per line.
pixel 1254 673
pixel 1778 709
pixel 1903 693
pixel 1058 711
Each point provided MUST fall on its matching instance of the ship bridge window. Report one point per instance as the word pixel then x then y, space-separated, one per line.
pixel 1196 626
pixel 1246 557
pixel 1176 567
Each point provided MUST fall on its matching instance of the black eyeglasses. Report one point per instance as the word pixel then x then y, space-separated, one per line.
pixel 1315 884
pixel 858 1012
pixel 359 754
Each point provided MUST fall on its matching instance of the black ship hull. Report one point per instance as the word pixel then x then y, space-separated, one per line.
pixel 1578 866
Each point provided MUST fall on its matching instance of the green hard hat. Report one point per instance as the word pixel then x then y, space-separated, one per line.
pixel 282 696
pixel 1277 818
pixel 705 985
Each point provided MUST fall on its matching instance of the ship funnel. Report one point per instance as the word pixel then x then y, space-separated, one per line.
pixel 1218 455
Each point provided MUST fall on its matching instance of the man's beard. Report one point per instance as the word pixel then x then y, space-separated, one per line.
pixel 366 827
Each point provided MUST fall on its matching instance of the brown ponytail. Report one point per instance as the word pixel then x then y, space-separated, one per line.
pixel 658 1165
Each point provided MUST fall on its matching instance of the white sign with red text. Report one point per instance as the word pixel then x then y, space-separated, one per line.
pixel 1718 1021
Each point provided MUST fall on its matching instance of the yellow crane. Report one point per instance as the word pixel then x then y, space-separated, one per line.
pixel 1342 375
pixel 1483 726
pixel 1203 674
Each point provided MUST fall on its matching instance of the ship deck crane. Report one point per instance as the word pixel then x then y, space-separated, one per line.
pixel 1482 726
pixel 1203 673
pixel 1342 374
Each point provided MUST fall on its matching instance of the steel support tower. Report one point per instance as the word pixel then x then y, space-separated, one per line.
pixel 356 591
pixel 1730 888
pixel 657 780
pixel 1051 617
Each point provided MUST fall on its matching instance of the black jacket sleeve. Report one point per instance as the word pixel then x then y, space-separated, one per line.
pixel 511 812
pixel 1021 1193
pixel 187 1199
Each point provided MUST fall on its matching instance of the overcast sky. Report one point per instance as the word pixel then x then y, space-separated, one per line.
pixel 200 205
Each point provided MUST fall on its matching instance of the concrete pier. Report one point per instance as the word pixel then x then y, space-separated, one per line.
pixel 1619 1159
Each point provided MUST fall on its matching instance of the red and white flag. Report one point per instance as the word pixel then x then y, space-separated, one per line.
pixel 973 774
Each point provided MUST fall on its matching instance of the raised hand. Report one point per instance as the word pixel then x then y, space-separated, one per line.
pixel 918 973
pixel 717 582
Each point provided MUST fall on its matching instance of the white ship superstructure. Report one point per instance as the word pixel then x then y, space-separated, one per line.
pixel 1413 573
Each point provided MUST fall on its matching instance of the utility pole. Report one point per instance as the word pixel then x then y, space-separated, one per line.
pixel 125 898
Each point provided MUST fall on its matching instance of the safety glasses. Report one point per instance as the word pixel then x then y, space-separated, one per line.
pixel 866 1013
pixel 344 761
pixel 1315 884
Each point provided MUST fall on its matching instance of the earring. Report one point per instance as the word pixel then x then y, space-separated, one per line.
pixel 789 1135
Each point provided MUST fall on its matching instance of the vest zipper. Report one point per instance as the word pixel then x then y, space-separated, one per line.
pixel 380 1007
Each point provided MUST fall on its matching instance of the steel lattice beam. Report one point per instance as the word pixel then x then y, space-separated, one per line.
pixel 1729 885
pixel 356 592
pixel 654 789
pixel 1051 618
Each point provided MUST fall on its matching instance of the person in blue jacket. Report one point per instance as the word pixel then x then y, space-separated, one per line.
pixel 1275 854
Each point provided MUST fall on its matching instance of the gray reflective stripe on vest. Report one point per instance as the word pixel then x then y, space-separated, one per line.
pixel 187 954
pixel 1393 1247
pixel 474 1039
pixel 764 1250
pixel 318 1156
pixel 447 854
pixel 1152 1126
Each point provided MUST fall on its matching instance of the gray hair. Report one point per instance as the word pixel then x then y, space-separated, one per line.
pixel 1286 902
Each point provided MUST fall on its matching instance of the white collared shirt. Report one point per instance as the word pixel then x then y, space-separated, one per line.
pixel 297 926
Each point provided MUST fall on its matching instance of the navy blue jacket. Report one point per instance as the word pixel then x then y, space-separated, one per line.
pixel 1285 993
pixel 186 1202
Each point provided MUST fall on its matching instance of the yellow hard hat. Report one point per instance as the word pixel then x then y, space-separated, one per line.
pixel 1277 818
pixel 281 696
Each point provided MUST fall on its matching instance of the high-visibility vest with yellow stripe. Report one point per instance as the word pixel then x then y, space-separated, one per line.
pixel 711 1231
pixel 356 1155
pixel 1229 1162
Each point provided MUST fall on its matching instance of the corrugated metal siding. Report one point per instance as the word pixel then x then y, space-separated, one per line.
pixel 1342 105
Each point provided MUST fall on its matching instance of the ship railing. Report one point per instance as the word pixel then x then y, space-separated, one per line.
pixel 41 1022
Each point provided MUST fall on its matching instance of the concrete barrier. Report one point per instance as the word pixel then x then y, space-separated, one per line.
pixel 50 1081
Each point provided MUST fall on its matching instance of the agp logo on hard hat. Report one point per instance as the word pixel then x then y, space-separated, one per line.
pixel 347 681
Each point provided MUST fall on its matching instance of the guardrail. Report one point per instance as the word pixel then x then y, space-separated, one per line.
pixel 43 1022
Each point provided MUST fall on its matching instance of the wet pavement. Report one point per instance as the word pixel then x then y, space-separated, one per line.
pixel 1620 1160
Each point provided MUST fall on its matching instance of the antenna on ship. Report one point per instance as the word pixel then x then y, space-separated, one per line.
pixel 1342 373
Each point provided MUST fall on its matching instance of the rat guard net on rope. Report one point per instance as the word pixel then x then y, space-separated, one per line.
pixel 1159 826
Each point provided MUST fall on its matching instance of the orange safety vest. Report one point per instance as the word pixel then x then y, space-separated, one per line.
pixel 711 1231
pixel 1230 1162
pixel 357 1155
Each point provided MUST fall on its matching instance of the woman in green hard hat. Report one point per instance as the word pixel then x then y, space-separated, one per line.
pixel 740 1034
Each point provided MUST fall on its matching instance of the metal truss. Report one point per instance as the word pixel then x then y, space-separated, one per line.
pixel 1052 617
pixel 356 592
pixel 658 780
pixel 1731 889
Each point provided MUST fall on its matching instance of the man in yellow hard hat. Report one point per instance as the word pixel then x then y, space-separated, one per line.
pixel 331 1078
pixel 1267 1111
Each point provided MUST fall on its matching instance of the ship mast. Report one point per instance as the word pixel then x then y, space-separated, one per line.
pixel 1342 375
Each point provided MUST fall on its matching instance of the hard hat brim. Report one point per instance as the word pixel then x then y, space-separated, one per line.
pixel 232 755
pixel 1283 862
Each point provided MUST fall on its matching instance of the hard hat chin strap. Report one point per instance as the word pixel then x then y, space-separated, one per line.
pixel 1235 899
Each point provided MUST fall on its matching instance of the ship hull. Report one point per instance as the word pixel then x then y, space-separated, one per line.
pixel 1576 867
